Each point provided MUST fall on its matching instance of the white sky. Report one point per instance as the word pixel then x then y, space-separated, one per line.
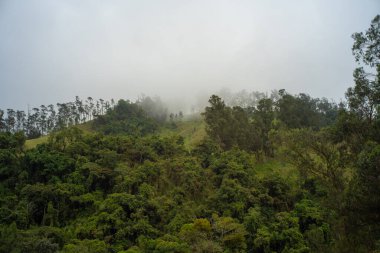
pixel 51 51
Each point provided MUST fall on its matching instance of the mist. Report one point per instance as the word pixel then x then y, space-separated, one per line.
pixel 51 51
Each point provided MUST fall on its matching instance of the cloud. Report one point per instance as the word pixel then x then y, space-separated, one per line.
pixel 51 51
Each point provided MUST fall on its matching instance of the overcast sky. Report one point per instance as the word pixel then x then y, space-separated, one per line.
pixel 51 51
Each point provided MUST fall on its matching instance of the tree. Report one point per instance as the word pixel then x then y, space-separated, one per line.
pixel 10 149
pixel 51 121
pixel 20 118
pixel 89 107
pixel 11 120
pixel 364 98
pixel 230 126
pixel 86 246
pixel 198 236
pixel 315 156
pixel 263 116
pixel 230 233
pixel 218 119
pixel 9 238
pixel 298 111
pixel 363 200
pixel 2 121
pixel 367 46
pixel 43 118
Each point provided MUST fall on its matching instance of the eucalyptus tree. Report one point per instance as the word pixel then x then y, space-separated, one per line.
pixel 101 101
pixel 107 106
pixel 11 120
pixel 80 109
pixel 2 121
pixel 89 107
pixel 43 119
pixel 61 120
pixel 360 122
pixel 21 120
pixel 51 121
pixel 364 97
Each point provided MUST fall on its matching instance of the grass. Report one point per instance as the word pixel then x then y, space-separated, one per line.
pixel 32 143
pixel 85 127
pixel 275 166
pixel 192 130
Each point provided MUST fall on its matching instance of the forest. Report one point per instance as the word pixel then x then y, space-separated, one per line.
pixel 280 173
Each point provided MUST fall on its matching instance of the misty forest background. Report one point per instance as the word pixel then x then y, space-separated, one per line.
pixel 252 173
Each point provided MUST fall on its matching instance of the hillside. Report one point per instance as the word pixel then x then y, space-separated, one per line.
pixel 285 173
pixel 129 182
pixel 191 129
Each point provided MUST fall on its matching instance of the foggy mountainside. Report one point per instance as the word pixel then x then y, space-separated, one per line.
pixel 246 171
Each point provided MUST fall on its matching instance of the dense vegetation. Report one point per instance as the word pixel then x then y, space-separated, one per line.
pixel 288 173
pixel 46 119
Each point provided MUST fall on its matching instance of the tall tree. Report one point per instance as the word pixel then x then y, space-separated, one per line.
pixel 51 121
pixel 361 122
pixel 230 126
pixel 43 119
pixel 2 121
pixel 364 97
pixel 11 120
pixel 79 106
pixel 263 116
pixel 20 116
pixel 89 107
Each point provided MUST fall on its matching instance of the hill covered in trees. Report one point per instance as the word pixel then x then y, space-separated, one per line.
pixel 285 173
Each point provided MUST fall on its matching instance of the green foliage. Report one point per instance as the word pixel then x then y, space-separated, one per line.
pixel 86 246
pixel 154 107
pixel 229 233
pixel 101 193
pixel 41 239
pixel 315 155
pixel 44 165
pixel 126 118
pixel 266 178
pixel 230 126
pixel 303 111
pixel 11 146
pixel 363 199
pixel 360 123
pixel 164 244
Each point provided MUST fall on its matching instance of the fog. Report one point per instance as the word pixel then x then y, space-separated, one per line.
pixel 51 51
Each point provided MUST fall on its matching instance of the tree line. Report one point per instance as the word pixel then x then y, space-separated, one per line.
pixel 45 119
pixel 249 127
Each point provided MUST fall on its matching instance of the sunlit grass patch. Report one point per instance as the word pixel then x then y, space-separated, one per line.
pixel 193 131
pixel 32 143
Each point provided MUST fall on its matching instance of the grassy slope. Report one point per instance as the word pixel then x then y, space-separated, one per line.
pixel 192 130
pixel 29 144
pixel 281 168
